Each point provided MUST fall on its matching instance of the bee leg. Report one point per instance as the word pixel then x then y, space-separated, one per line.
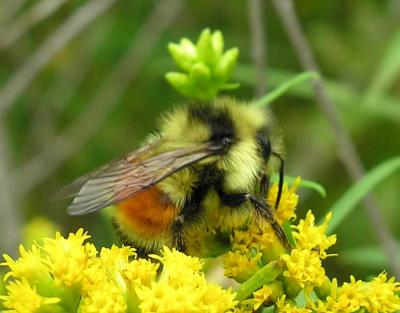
pixel 234 199
pixel 178 235
pixel 281 178
pixel 265 211
pixel 141 252
pixel 264 186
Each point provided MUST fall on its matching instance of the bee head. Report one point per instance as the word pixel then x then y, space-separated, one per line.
pixel 234 125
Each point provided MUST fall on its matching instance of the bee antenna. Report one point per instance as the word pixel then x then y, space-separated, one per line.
pixel 281 178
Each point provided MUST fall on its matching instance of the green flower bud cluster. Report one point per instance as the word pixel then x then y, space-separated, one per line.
pixel 206 67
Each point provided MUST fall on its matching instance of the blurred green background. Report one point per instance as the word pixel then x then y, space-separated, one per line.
pixel 81 83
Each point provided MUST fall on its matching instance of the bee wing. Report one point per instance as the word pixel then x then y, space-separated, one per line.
pixel 112 169
pixel 131 175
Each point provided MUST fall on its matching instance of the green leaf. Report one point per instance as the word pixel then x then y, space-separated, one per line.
pixel 287 228
pixel 304 183
pixel 343 207
pixel 342 94
pixel 264 276
pixel 369 257
pixel 270 309
pixel 387 72
pixel 283 88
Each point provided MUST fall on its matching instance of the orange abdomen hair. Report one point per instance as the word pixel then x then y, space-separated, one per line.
pixel 149 214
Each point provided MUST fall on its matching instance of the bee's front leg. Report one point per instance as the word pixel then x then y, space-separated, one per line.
pixel 264 185
pixel 264 210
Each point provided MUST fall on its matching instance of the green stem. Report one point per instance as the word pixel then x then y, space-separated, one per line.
pixel 264 276
pixel 280 90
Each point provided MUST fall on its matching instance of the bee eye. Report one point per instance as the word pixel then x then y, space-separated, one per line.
pixel 265 145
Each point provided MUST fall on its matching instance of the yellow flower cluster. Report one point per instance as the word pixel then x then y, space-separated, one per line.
pixel 376 296
pixel 182 287
pixel 301 268
pixel 256 246
pixel 288 202
pixel 303 265
pixel 64 275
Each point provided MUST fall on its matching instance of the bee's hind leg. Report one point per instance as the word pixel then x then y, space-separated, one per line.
pixel 178 234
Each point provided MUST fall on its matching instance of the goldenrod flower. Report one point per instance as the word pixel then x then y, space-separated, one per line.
pixel 115 257
pixel 183 288
pixel 381 294
pixel 262 296
pixel 115 261
pixel 241 267
pixel 287 203
pixel 304 267
pixel 344 299
pixel 173 260
pixel 267 293
pixel 66 258
pixel 259 238
pixel 287 307
pixel 67 275
pixel 29 265
pixel 140 272
pixel 177 266
pixel 376 296
pixel 312 237
pixel 22 298
pixel 104 298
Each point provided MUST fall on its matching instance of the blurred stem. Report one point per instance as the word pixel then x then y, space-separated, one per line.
pixel 283 88
pixel 25 74
pixel 21 24
pixel 10 220
pixel 8 10
pixel 347 151
pixel 258 44
pixel 109 93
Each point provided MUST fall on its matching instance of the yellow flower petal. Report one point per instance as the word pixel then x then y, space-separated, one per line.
pixel 287 307
pixel 104 298
pixel 312 237
pixel 241 267
pixel 67 258
pixel 304 267
pixel 287 203
pixel 183 288
pixel 29 265
pixel 22 298
pixel 140 272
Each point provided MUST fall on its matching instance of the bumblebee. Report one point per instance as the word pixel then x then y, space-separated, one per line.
pixel 208 168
